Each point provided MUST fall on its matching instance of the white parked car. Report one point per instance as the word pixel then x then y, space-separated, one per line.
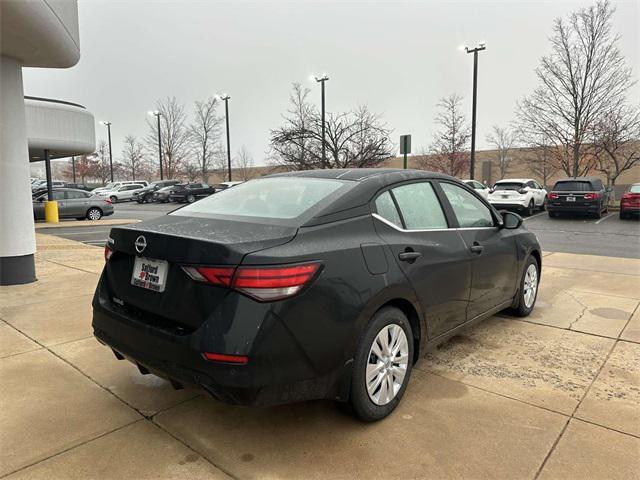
pixel 480 188
pixel 121 193
pixel 522 194
pixel 116 185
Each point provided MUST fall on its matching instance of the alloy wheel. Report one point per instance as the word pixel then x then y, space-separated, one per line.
pixel 530 285
pixel 387 364
pixel 94 214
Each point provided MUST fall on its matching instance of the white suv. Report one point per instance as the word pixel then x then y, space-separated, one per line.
pixel 116 185
pixel 123 192
pixel 523 194
pixel 480 188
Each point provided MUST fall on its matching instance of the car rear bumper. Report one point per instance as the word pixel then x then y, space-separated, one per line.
pixel 567 208
pixel 509 205
pixel 278 370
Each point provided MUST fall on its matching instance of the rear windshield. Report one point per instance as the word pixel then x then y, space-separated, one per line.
pixel 275 198
pixel 635 189
pixel 509 186
pixel 573 186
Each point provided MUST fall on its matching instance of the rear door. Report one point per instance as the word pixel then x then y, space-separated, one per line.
pixel 492 249
pixel 434 257
pixel 77 203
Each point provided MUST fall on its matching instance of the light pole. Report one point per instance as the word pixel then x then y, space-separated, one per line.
pixel 108 124
pixel 322 80
pixel 158 114
pixel 481 46
pixel 226 98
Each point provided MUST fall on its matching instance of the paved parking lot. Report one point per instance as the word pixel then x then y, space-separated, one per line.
pixel 554 396
pixel 608 236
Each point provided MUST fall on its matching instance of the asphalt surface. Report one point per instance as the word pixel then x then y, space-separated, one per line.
pixel 608 236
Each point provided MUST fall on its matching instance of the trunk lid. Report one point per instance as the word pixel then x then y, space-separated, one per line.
pixel 179 240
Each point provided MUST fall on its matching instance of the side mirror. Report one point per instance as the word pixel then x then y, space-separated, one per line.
pixel 510 220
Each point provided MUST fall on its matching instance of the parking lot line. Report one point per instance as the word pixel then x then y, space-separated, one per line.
pixel 534 216
pixel 604 218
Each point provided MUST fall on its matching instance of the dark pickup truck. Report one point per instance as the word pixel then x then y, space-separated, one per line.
pixel 578 195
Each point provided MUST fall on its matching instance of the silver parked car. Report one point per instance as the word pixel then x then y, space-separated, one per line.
pixel 72 203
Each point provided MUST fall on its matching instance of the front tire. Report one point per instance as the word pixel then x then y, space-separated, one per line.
pixel 191 198
pixel 113 199
pixel 382 365
pixel 528 291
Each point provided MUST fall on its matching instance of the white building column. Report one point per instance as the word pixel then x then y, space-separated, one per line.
pixel 17 234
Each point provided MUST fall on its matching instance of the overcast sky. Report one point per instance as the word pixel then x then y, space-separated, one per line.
pixel 398 58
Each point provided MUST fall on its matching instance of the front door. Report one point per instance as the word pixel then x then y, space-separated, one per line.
pixel 493 250
pixel 433 256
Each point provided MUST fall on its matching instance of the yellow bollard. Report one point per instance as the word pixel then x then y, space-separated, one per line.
pixel 51 211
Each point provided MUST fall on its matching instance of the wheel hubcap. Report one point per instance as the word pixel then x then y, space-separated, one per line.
pixel 530 285
pixel 387 364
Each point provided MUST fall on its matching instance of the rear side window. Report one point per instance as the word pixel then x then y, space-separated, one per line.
pixel 387 209
pixel 469 211
pixel 277 198
pixel 573 186
pixel 420 207
pixel 76 195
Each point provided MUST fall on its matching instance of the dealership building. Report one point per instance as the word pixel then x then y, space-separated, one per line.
pixel 35 33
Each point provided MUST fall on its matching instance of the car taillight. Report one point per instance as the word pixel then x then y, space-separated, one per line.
pixel 108 252
pixel 591 196
pixel 553 196
pixel 107 201
pixel 261 283
pixel 522 191
pixel 226 358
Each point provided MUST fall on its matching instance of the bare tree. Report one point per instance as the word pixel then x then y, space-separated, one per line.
pixel 205 134
pixel 449 149
pixel 357 139
pixel 295 144
pixel 174 133
pixel 86 166
pixel 353 139
pixel 132 162
pixel 502 140
pixel 243 162
pixel 616 142
pixel 102 168
pixel 584 76
pixel 542 160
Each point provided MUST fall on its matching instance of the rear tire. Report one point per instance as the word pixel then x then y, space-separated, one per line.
pixel 191 198
pixel 528 291
pixel 553 215
pixel 94 213
pixel 388 333
pixel 599 214
pixel 531 208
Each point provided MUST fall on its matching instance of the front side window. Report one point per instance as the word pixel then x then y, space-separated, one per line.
pixel 470 212
pixel 276 198
pixel 420 207
pixel 387 209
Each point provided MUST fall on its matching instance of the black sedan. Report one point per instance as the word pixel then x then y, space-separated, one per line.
pixel 190 192
pixel 308 285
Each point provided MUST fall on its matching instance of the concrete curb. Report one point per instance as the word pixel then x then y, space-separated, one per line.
pixel 87 223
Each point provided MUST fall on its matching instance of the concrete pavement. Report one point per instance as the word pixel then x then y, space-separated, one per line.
pixel 554 396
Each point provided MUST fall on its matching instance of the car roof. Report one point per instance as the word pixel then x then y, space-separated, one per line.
pixel 363 174
pixel 577 179
pixel 519 180
pixel 367 183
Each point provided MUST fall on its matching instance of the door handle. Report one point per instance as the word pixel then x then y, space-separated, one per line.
pixel 409 256
pixel 476 248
